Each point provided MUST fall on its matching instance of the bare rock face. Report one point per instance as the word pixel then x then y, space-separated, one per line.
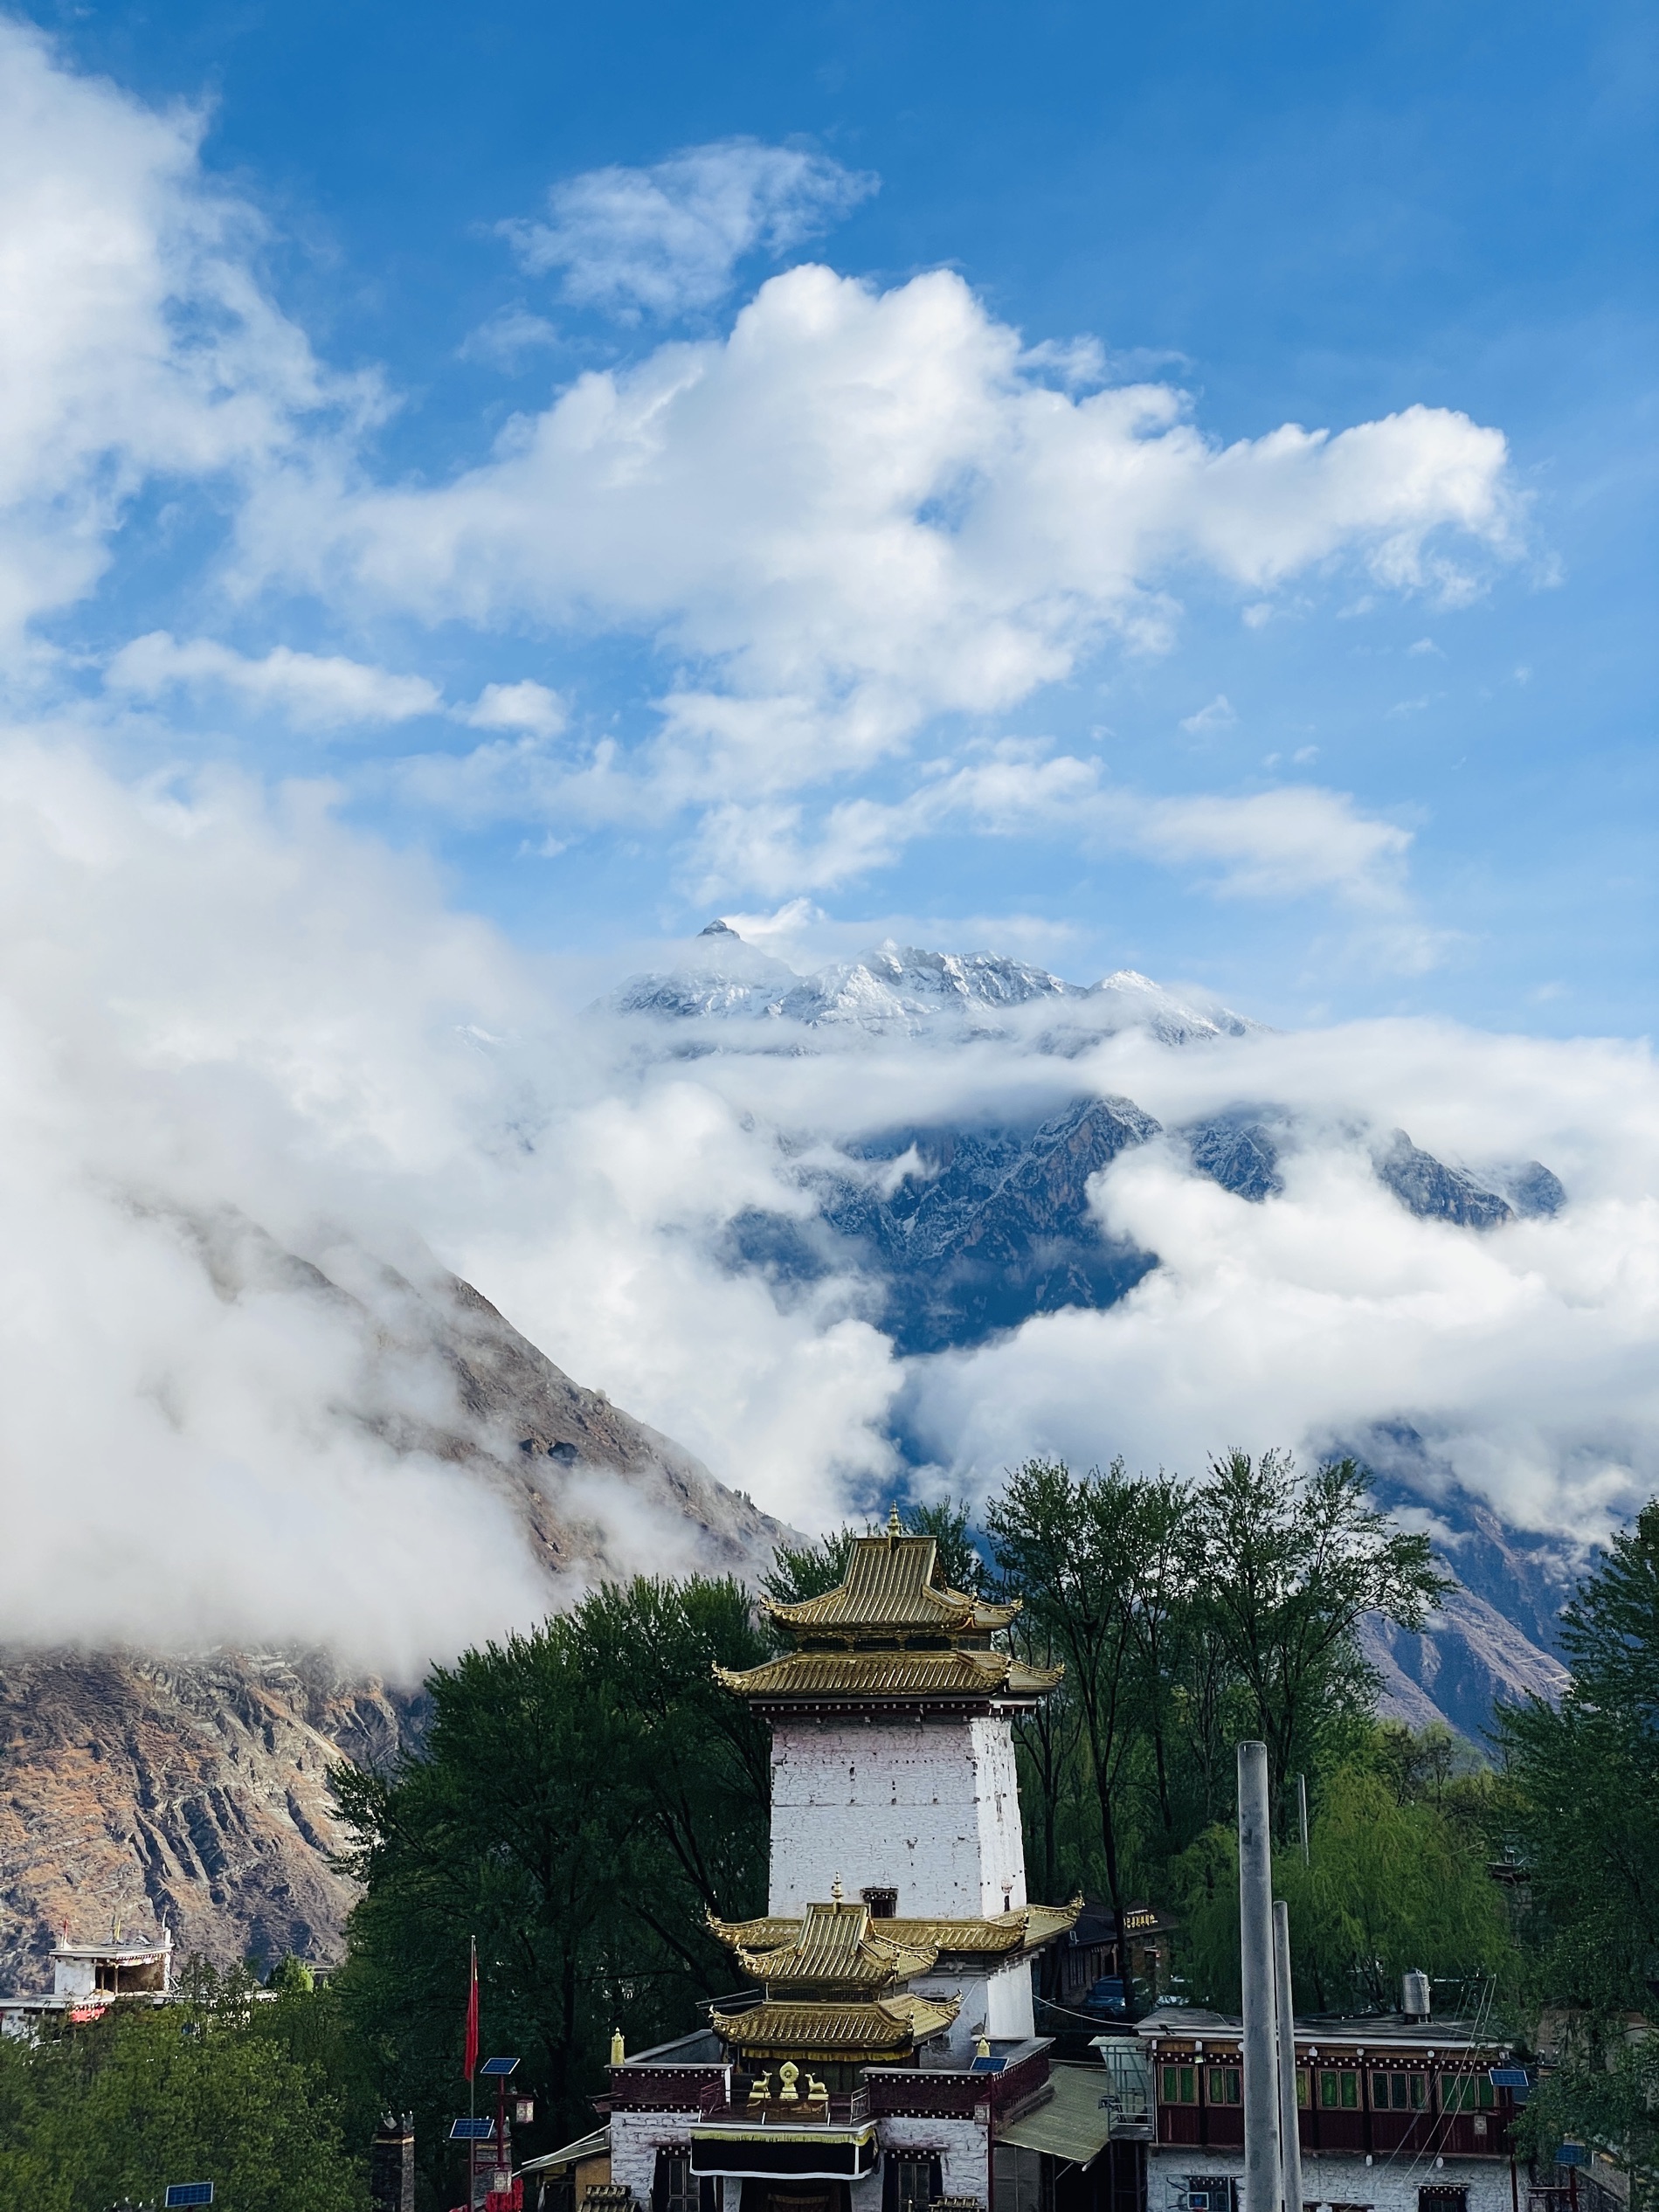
pixel 1466 1661
pixel 137 1790
pixel 193 1789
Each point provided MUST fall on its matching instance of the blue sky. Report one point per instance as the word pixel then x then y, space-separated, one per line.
pixel 1405 762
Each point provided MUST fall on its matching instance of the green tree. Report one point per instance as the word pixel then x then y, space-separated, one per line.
pixel 798 1572
pixel 1091 1554
pixel 1583 1794
pixel 1290 1565
pixel 585 1795
pixel 202 2090
pixel 1584 1777
pixel 1389 1886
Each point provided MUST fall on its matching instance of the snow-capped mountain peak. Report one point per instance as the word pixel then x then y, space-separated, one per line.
pixel 908 990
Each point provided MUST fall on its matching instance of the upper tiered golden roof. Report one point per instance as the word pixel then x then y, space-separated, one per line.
pixel 894 1591
pixel 894 1628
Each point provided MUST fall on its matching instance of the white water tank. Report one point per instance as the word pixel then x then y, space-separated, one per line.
pixel 1414 1999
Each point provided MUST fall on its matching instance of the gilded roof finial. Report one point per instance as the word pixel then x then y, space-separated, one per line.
pixel 982 2048
pixel 838 1895
pixel 894 1526
pixel 618 2053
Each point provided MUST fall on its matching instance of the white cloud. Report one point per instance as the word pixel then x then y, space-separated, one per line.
pixel 528 705
pixel 1518 1356
pixel 1219 714
pixel 216 1010
pixel 859 512
pixel 668 238
pixel 210 1005
pixel 505 340
pixel 1286 843
pixel 135 343
pixel 316 691
pixel 1279 844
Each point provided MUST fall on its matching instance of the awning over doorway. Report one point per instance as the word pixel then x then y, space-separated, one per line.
pixel 1073 2125
pixel 782 2154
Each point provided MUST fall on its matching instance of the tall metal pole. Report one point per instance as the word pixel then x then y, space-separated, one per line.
pixel 1285 2004
pixel 1256 1959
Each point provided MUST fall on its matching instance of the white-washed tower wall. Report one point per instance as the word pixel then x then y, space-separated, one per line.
pixel 928 1807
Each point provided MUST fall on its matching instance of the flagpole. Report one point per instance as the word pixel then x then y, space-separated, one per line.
pixel 472 2028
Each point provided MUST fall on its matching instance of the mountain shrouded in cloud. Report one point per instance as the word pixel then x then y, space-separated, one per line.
pixel 762 601
pixel 246 1049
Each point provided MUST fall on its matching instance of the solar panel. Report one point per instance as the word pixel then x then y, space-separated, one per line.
pixel 1509 2078
pixel 987 2065
pixel 189 2193
pixel 472 2131
pixel 498 2065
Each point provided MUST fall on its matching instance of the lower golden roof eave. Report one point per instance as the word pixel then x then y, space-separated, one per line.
pixel 830 2030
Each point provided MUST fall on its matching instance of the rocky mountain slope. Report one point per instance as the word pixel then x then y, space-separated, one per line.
pixel 1466 1661
pixel 193 1788
pixel 136 1790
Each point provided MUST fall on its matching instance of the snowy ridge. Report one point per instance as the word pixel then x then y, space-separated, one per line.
pixel 907 991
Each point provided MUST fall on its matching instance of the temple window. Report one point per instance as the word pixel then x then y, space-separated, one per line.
pixel 1467 2093
pixel 1399 2092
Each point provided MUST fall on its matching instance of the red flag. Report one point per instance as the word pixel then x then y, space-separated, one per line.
pixel 469 2065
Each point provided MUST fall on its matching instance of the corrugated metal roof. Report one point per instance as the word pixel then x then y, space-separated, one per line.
pixel 585 2147
pixel 1073 2125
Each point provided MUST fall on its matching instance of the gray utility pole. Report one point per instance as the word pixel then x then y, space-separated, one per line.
pixel 1256 1959
pixel 1285 2003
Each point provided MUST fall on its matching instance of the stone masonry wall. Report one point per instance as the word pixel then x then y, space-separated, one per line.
pixel 930 1808
pixel 1386 2186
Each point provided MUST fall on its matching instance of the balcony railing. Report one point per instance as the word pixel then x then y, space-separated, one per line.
pixel 844 2109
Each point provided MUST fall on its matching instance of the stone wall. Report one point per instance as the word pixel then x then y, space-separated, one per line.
pixel 1386 2185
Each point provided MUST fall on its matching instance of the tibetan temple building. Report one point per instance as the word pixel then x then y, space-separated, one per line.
pixel 882 2057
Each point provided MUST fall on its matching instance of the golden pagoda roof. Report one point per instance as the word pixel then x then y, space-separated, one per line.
pixel 1025 1930
pixel 823 2031
pixel 955 1673
pixel 831 1948
pixel 892 1586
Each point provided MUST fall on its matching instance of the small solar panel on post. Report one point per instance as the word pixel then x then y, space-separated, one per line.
pixel 183 2193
